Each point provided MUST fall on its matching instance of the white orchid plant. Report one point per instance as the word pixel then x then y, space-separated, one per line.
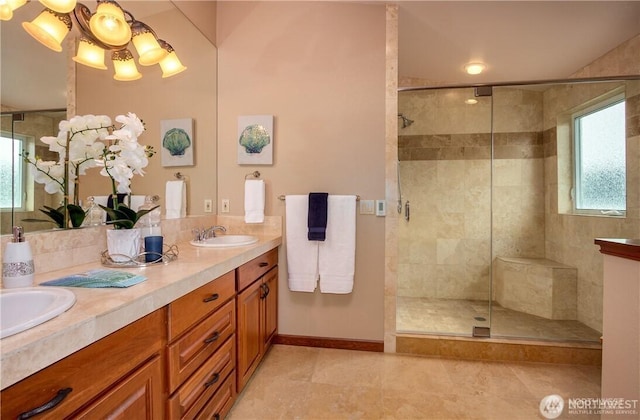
pixel 89 141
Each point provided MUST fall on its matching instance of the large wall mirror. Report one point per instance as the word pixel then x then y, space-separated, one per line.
pixel 42 78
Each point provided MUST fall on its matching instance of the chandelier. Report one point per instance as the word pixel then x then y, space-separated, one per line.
pixel 110 28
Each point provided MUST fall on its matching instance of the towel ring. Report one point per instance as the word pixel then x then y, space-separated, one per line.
pixel 254 174
pixel 179 175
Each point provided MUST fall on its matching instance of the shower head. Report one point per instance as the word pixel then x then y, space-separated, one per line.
pixel 406 122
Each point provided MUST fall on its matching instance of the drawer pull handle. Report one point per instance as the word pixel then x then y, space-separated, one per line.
pixel 263 264
pixel 211 298
pixel 61 395
pixel 213 338
pixel 214 379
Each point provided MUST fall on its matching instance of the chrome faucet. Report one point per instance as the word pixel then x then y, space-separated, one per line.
pixel 204 234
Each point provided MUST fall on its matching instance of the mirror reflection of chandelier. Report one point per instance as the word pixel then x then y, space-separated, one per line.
pixel 110 28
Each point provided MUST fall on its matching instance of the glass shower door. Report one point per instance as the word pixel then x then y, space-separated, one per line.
pixel 444 266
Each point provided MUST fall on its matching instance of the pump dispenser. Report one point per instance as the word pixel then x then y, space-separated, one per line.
pixel 150 222
pixel 17 262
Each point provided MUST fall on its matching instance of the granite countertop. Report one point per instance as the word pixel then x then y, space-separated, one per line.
pixel 99 312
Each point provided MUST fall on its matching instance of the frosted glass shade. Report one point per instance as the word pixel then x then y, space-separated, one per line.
pixel 109 25
pixel 60 6
pixel 144 40
pixel 171 65
pixel 124 66
pixel 90 55
pixel 6 12
pixel 49 28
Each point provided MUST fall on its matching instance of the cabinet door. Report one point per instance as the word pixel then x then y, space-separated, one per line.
pixel 138 397
pixel 270 310
pixel 249 331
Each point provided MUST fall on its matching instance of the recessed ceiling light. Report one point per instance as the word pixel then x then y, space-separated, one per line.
pixel 475 68
pixel 471 101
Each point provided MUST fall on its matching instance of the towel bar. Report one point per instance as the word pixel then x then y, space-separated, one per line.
pixel 254 174
pixel 283 197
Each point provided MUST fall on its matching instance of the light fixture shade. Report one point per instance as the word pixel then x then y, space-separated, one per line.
pixel 60 6
pixel 49 28
pixel 170 65
pixel 149 50
pixel 109 25
pixel 6 12
pixel 124 66
pixel 90 54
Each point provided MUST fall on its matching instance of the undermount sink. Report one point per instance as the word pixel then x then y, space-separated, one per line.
pixel 24 308
pixel 226 241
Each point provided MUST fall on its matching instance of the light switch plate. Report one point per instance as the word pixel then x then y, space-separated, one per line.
pixel 366 207
pixel 381 208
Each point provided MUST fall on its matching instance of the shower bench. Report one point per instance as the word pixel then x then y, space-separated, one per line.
pixel 536 286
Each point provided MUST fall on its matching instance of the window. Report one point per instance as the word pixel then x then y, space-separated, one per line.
pixel 11 172
pixel 600 169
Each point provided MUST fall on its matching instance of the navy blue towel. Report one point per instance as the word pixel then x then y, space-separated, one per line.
pixel 317 218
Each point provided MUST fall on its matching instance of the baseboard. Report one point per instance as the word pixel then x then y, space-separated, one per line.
pixel 329 343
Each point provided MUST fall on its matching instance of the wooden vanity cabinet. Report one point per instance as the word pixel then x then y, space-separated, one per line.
pixel 202 350
pixel 257 312
pixel 120 376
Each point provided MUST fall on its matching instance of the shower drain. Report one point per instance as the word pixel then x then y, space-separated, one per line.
pixel 479 318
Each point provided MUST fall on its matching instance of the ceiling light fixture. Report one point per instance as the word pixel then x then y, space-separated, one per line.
pixel 110 28
pixel 475 68
pixel 471 101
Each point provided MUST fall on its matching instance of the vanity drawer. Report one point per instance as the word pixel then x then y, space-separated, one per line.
pixel 194 306
pixel 194 394
pixel 220 405
pixel 254 269
pixel 192 349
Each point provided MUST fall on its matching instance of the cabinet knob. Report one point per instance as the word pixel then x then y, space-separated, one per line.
pixel 263 264
pixel 61 395
pixel 211 298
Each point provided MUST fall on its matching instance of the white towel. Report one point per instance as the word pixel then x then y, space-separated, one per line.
pixel 302 254
pixel 176 199
pixel 136 201
pixel 254 201
pixel 337 254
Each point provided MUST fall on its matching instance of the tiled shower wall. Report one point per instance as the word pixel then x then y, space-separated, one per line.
pixel 444 250
pixel 445 173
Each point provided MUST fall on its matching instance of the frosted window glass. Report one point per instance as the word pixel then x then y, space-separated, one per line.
pixel 5 172
pixel 601 169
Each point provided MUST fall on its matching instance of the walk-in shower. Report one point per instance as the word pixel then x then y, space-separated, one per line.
pixel 495 243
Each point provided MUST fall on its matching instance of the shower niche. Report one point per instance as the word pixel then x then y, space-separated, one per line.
pixel 491 176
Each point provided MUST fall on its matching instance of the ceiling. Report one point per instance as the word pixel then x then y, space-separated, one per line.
pixel 517 40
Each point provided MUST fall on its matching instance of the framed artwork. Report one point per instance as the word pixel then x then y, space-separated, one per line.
pixel 176 139
pixel 255 140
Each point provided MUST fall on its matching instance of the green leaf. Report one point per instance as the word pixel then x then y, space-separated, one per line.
pixel 57 215
pixel 124 217
pixel 76 215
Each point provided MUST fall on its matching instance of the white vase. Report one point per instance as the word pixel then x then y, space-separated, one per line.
pixel 123 244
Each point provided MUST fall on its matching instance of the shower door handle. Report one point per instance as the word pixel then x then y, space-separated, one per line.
pixel 406 211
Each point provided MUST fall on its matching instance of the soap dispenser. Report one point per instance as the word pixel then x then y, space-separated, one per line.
pixel 17 262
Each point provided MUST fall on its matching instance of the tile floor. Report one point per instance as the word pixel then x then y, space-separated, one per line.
pixel 456 316
pixel 313 383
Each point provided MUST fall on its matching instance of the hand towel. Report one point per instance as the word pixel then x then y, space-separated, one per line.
pixel 302 254
pixel 254 201
pixel 337 255
pixel 135 201
pixel 176 199
pixel 317 219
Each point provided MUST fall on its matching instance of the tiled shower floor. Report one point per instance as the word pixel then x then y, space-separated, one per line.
pixel 457 316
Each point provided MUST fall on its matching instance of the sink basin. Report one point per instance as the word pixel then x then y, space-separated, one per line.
pixel 24 308
pixel 226 241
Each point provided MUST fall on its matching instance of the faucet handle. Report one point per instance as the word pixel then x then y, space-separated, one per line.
pixel 197 234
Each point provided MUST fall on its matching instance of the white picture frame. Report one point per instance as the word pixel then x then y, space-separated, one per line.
pixel 177 142
pixel 255 140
